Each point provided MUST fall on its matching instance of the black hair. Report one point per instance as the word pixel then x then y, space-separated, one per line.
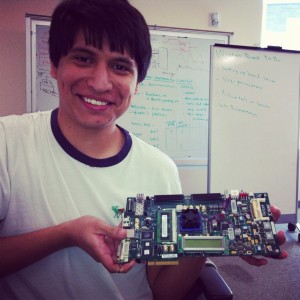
pixel 117 20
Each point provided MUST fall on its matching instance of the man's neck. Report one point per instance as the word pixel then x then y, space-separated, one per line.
pixel 96 143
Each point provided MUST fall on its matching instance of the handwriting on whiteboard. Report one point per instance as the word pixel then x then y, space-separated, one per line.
pixel 171 108
pixel 46 83
pixel 244 82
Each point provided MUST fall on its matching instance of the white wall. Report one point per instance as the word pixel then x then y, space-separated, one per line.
pixel 243 17
pixel 13 51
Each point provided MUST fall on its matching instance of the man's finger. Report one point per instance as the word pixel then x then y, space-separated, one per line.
pixel 114 232
pixel 283 255
pixel 281 237
pixel 275 212
pixel 120 268
pixel 126 267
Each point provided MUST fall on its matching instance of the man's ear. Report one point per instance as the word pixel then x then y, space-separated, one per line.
pixel 53 71
pixel 136 88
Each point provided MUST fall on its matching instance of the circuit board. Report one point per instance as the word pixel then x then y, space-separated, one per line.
pixel 162 228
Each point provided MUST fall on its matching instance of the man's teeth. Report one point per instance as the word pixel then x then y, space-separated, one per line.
pixel 94 102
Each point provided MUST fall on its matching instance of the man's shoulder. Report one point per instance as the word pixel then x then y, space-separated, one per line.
pixel 16 129
pixel 25 120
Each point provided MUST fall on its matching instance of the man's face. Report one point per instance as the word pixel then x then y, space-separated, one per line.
pixel 95 86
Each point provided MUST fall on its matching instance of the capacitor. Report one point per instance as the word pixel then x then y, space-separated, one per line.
pixel 136 223
pixel 214 224
pixel 237 231
pixel 148 221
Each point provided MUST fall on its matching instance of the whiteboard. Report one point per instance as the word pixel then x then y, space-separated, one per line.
pixel 41 88
pixel 254 123
pixel 170 110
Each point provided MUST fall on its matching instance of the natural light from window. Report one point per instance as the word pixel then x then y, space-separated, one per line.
pixel 281 24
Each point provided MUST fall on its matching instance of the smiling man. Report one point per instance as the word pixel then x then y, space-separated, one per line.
pixel 64 173
pixel 96 87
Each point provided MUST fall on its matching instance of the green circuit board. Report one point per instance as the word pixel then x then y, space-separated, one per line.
pixel 163 228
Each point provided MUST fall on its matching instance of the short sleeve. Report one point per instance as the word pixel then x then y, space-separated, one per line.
pixel 176 183
pixel 4 176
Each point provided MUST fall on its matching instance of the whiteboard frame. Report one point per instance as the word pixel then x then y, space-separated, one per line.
pixel 191 33
pixel 285 218
pixel 196 33
pixel 32 21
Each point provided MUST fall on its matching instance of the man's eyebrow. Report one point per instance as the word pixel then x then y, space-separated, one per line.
pixel 81 50
pixel 124 59
pixel 118 57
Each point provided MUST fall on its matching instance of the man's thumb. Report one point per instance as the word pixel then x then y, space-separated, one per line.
pixel 115 232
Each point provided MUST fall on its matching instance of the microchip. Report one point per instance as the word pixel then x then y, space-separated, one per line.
pixel 133 245
pixel 190 219
pixel 147 249
pixel 224 226
pixel 267 225
pixel 269 235
pixel 147 235
pixel 166 220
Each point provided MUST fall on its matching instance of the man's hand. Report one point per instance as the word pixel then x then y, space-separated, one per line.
pixel 100 241
pixel 94 236
pixel 255 261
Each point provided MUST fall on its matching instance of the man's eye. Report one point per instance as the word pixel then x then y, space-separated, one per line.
pixel 83 59
pixel 121 68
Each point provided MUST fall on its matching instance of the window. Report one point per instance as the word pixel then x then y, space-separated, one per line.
pixel 281 24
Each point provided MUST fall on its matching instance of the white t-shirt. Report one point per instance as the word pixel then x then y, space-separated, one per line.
pixel 46 181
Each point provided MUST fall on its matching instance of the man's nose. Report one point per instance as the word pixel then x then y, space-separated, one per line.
pixel 100 78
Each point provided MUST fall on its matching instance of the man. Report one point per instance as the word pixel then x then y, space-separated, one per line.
pixel 62 172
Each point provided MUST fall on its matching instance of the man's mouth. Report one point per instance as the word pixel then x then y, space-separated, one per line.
pixel 95 102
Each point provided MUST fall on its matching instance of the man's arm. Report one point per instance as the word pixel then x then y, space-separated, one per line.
pixel 89 233
pixel 17 252
pixel 173 282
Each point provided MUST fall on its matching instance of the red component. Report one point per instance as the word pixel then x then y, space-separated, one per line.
pixel 243 194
